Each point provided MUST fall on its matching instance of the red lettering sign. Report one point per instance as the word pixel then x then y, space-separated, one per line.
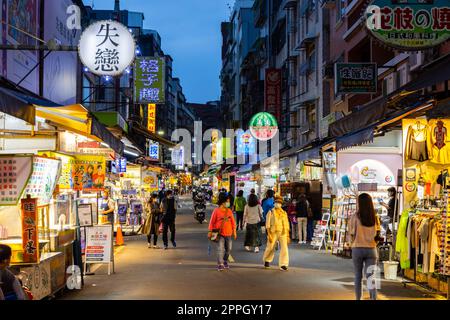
pixel 30 232
pixel 272 92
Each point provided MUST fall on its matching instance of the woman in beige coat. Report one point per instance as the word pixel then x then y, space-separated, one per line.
pixel 153 221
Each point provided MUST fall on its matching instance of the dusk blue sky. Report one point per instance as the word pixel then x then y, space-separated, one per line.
pixel 190 33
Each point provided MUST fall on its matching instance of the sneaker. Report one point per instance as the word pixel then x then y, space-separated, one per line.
pixel 256 250
pixel 174 244
pixel 284 268
pixel 156 247
pixel 266 265
pixel 220 267
pixel 247 248
pixel 149 246
pixel 226 265
pixel 300 242
pixel 166 247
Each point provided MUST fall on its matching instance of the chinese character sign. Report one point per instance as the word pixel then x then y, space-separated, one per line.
pixel 107 48
pixel 272 92
pixel 30 240
pixel 409 25
pixel 14 174
pixel 151 118
pixel 149 80
pixel 42 183
pixel 356 78
pixel 246 144
pixel 263 126
pixel 154 152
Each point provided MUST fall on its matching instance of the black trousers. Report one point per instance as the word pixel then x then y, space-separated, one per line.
pixel 155 238
pixel 170 225
pixel 239 220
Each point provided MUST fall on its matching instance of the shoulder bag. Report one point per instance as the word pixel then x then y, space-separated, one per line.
pixel 214 235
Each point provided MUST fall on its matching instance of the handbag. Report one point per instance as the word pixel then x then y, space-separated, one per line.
pixel 161 227
pixel 214 235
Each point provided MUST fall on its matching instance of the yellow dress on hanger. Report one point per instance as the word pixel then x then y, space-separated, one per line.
pixel 439 141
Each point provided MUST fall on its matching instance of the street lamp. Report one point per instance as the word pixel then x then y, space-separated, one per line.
pixel 161 132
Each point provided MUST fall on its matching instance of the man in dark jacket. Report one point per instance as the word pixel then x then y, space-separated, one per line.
pixel 169 209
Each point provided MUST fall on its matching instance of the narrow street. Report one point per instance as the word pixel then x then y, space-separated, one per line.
pixel 188 272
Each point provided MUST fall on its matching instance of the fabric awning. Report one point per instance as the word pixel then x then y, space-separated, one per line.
pixel 137 131
pixel 99 130
pixel 355 139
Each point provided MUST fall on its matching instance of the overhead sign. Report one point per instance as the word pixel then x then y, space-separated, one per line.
pixel 246 144
pixel 263 126
pixel 153 152
pixel 151 118
pixel 356 78
pixel 107 48
pixel 178 157
pixel 149 84
pixel 409 24
pixel 272 92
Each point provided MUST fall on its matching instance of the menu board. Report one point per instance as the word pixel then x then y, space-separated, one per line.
pixel 14 174
pixel 65 180
pixel 99 244
pixel 43 179
pixel 89 173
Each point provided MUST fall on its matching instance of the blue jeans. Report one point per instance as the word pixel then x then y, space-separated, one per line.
pixel 362 259
pixel 224 246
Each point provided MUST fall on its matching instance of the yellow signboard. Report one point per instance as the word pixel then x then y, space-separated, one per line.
pixel 151 124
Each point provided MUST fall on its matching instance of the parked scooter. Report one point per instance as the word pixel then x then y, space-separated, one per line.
pixel 200 208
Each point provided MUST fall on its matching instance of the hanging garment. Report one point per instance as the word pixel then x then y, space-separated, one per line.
pixel 423 230
pixel 416 143
pixel 434 250
pixel 438 142
pixel 402 245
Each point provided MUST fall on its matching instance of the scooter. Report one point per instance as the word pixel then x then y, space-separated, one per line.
pixel 199 209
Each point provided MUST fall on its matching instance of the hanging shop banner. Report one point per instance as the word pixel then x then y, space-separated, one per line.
pixel 89 173
pixel 43 179
pixel 214 147
pixel 246 144
pixel 263 126
pixel 409 25
pixel 356 78
pixel 153 152
pixel 149 83
pixel 30 232
pixel 151 118
pixel 121 165
pixel 178 157
pixel 95 148
pixel 14 174
pixel 107 48
pixel 272 92
pixel 150 179
pixel 99 241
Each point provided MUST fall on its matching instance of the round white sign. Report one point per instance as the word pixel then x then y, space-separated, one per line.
pixel 107 48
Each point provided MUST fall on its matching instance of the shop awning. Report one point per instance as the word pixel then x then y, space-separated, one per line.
pixel 382 107
pixel 136 130
pixel 356 139
pixel 246 168
pixel 99 130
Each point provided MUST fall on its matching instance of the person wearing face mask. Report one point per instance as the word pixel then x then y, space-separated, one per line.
pixel 277 226
pixel 107 207
pixel 222 219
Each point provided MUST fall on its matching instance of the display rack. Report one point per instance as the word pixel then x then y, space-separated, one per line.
pixel 319 240
pixel 344 211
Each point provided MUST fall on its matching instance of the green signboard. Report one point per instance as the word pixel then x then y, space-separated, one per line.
pixel 263 126
pixel 409 24
pixel 149 81
pixel 355 78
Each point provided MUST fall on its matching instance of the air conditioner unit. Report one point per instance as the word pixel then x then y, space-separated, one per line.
pixel 416 60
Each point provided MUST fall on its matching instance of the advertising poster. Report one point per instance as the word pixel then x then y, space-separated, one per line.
pixel 24 15
pixel 43 179
pixel 14 174
pixel 30 232
pixel 89 173
pixel 150 179
pixel 60 68
pixel 99 244
pixel 122 210
pixel 85 215
pixel 136 213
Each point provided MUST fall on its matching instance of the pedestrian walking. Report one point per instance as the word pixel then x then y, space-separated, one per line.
pixel 222 228
pixel 10 287
pixel 268 203
pixel 252 221
pixel 277 226
pixel 364 230
pixel 154 217
pixel 303 211
pixel 239 206
pixel 169 209
pixel 292 215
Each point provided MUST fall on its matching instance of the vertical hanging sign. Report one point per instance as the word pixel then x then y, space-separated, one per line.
pixel 272 92
pixel 30 240
pixel 151 118
pixel 149 81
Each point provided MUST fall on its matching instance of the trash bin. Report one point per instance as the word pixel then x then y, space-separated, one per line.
pixel 390 270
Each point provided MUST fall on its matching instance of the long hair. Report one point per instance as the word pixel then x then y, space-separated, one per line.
pixel 366 211
pixel 252 200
